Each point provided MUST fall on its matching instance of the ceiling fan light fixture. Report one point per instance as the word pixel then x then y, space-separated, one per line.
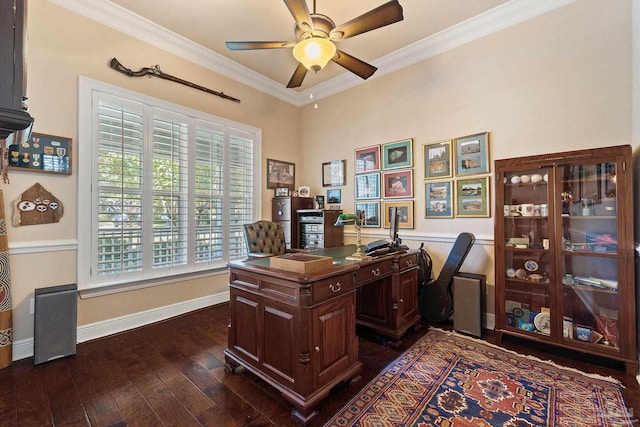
pixel 314 52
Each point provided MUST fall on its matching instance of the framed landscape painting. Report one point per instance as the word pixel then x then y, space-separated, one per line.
pixel 397 154
pixel 280 174
pixel 472 154
pixel 472 197
pixel 439 200
pixel 437 159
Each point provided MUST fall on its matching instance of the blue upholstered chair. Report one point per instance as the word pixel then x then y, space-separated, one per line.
pixel 264 238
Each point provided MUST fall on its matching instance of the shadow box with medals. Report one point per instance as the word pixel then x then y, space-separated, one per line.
pixel 41 153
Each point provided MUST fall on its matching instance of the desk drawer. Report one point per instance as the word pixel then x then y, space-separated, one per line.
pixel 332 287
pixel 373 271
pixel 408 261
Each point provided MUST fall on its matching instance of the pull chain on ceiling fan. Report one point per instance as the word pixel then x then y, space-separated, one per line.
pixel 316 35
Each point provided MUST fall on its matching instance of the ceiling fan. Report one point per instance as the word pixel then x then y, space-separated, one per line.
pixel 316 34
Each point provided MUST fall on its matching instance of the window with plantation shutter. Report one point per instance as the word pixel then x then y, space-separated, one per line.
pixel 164 190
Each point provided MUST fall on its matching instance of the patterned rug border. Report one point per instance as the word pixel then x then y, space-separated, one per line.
pixel 352 412
pixel 534 358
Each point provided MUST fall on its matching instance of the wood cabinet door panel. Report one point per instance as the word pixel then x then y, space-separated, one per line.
pixel 246 327
pixel 334 342
pixel 279 343
pixel 407 297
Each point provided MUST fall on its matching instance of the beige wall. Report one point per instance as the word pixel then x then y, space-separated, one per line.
pixel 558 82
pixel 61 47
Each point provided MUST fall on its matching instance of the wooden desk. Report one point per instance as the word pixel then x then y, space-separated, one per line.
pixel 298 333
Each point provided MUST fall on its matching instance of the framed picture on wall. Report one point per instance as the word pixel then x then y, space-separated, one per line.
pixel 472 154
pixel 41 153
pixel 334 173
pixel 405 211
pixel 371 213
pixel 367 186
pixel 334 196
pixel 397 154
pixel 438 200
pixel 367 159
pixel 472 197
pixel 437 159
pixel 397 184
pixel 280 174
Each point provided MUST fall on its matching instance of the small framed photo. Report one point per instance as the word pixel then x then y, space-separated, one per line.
pixel 280 174
pixel 397 184
pixel 367 186
pixel 319 201
pixel 371 213
pixel 439 200
pixel 334 173
pixel 282 192
pixel 437 159
pixel 472 154
pixel 367 159
pixel 334 196
pixel 472 197
pixel 397 154
pixel 304 191
pixel 405 211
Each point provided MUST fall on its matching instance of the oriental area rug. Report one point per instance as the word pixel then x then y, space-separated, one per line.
pixel 450 380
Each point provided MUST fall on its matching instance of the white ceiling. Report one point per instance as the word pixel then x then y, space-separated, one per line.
pixel 197 30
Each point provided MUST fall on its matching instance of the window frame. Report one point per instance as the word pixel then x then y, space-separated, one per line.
pixel 89 93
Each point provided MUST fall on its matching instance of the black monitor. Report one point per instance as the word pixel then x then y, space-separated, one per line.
pixel 394 223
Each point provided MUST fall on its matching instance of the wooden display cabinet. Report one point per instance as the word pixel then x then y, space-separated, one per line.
pixel 565 253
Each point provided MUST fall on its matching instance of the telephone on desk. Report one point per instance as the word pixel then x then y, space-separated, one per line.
pixel 383 247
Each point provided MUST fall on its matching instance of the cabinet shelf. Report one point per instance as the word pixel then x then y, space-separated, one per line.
pixel 587 252
pixel 593 289
pixel 590 254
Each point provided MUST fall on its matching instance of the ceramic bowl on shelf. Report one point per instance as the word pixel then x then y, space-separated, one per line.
pixel 525 178
pixel 521 273
pixel 515 180
pixel 536 177
pixel 511 272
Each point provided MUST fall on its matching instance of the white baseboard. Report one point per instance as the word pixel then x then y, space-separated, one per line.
pixel 24 348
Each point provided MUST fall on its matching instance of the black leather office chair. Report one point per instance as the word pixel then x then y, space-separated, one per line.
pixel 436 297
pixel 264 238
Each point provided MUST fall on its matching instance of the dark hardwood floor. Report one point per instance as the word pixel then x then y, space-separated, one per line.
pixel 172 374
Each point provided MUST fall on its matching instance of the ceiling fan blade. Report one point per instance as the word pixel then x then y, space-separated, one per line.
pixel 300 12
pixel 386 14
pixel 355 65
pixel 298 76
pixel 258 45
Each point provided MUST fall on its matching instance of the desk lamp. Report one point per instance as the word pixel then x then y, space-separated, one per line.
pixel 356 221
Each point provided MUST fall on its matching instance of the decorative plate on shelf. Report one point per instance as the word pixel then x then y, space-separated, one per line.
pixel 531 265
pixel 542 322
pixel 521 274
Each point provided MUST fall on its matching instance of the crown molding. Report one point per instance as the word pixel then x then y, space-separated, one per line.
pixel 489 22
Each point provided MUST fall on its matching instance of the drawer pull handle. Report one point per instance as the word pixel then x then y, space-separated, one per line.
pixel 409 263
pixel 376 272
pixel 317 348
pixel 336 287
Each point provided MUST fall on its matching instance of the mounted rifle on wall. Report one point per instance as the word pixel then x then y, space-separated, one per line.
pixel 156 72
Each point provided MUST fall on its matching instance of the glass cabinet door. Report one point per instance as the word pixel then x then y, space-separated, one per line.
pixel 589 276
pixel 528 264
